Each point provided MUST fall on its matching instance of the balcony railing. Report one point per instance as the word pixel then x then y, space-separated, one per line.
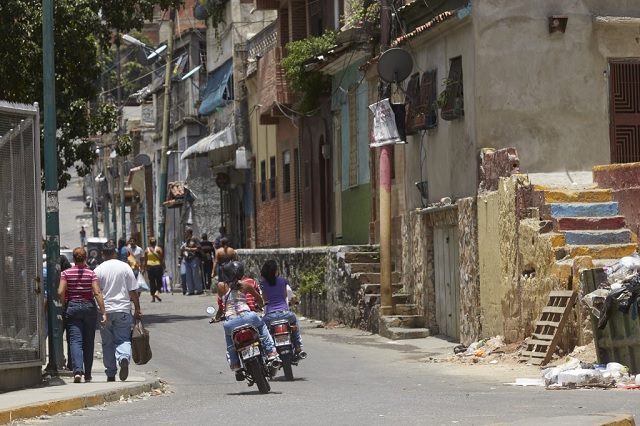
pixel 260 44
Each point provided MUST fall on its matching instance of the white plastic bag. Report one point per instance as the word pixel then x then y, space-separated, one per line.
pixel 142 282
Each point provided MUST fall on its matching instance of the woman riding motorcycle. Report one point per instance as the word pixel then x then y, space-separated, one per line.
pixel 274 289
pixel 237 312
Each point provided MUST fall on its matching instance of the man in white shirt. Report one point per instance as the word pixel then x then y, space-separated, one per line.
pixel 118 285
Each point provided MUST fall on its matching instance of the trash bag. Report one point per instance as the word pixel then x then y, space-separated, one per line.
pixel 140 345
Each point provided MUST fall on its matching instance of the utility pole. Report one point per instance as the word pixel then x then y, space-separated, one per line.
pixel 386 155
pixel 162 187
pixel 119 159
pixel 54 311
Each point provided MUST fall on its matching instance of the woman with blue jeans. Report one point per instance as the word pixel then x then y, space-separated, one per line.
pixel 274 290
pixel 237 311
pixel 79 287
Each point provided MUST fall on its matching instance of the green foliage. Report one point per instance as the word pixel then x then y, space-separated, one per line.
pixel 216 9
pixel 361 13
pixel 82 29
pixel 309 85
pixel 312 281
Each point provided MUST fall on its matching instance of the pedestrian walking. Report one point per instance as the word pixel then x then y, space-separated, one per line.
pixel 119 288
pixel 224 255
pixel 123 250
pixel 222 233
pixel 191 255
pixel 207 261
pixel 79 288
pixel 153 265
pixel 83 237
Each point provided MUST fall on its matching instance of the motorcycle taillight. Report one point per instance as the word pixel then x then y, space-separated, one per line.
pixel 280 328
pixel 244 335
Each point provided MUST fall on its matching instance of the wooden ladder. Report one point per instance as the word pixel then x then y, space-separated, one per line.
pixel 544 339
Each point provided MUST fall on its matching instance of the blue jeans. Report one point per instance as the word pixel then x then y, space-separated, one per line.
pixel 116 341
pixel 242 319
pixel 289 316
pixel 81 329
pixel 194 279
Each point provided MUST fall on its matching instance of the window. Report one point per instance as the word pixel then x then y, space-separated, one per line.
pixel 451 99
pixel 263 180
pixel 272 176
pixel 286 172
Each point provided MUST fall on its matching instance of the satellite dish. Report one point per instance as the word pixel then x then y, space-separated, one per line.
pixel 148 56
pixel 395 65
pixel 190 73
pixel 142 160
pixel 128 165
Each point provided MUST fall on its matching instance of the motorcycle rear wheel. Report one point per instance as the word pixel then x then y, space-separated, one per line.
pixel 286 366
pixel 257 374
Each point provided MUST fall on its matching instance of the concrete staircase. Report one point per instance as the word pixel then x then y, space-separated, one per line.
pixel 405 323
pixel 586 223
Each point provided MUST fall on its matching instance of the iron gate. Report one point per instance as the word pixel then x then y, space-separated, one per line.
pixel 21 264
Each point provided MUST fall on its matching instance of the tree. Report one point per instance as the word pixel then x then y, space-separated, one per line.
pixel 82 29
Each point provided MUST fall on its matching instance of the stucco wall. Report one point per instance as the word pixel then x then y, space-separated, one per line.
pixel 446 156
pixel 561 106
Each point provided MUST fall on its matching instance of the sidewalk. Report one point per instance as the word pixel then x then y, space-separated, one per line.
pixel 52 399
pixel 49 400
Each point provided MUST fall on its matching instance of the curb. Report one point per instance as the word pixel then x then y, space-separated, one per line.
pixel 51 407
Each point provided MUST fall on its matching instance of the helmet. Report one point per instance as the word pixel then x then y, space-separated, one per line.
pixel 233 270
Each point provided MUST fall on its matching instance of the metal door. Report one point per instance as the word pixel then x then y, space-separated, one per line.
pixel 447 280
pixel 21 266
pixel 624 93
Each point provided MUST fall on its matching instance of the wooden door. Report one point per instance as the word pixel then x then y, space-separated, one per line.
pixel 624 93
pixel 447 280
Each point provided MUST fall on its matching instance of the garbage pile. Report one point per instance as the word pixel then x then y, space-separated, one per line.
pixel 622 286
pixel 481 348
pixel 574 374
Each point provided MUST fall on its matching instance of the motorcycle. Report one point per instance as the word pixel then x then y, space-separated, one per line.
pixel 280 331
pixel 254 363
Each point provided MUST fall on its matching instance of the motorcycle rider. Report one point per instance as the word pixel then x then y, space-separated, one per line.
pixel 237 312
pixel 274 289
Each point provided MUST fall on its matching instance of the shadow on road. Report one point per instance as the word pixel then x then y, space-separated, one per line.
pixel 150 319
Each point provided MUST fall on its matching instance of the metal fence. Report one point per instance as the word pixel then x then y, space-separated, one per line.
pixel 21 266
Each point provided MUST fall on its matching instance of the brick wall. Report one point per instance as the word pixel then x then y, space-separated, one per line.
pixel 287 136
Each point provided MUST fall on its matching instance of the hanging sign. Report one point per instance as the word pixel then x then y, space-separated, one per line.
pixel 385 130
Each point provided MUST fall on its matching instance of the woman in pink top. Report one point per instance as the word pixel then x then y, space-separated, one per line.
pixel 80 290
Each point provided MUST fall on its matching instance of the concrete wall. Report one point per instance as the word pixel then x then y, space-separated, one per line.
pixel 561 107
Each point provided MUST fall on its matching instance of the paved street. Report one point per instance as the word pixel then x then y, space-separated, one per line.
pixel 350 377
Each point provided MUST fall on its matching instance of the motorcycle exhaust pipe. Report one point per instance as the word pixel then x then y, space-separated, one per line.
pixel 275 363
pixel 302 355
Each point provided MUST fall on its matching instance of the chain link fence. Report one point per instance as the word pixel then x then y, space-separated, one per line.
pixel 22 330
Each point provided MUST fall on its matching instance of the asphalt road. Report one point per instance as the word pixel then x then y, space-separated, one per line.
pixel 350 377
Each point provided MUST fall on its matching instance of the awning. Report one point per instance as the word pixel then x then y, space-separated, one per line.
pixel 220 140
pixel 216 93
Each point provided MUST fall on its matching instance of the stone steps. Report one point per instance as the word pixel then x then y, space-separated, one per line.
pixel 375 288
pixel 588 223
pixel 406 309
pixel 584 209
pixel 362 257
pixel 365 267
pixel 398 333
pixel 592 237
pixel 576 196
pixel 609 251
pixel 374 277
